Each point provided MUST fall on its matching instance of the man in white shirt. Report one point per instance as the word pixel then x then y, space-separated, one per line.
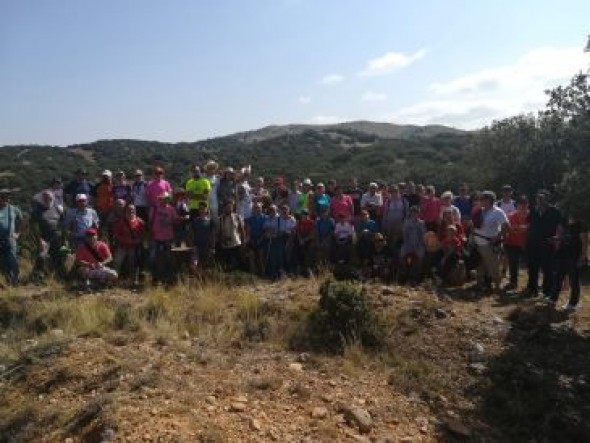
pixel 507 204
pixel 487 234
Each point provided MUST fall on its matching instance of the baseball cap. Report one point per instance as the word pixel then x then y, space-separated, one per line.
pixel 107 173
pixel 81 197
pixel 91 231
pixel 307 182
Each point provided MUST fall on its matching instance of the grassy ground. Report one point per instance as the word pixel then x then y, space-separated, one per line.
pixel 217 360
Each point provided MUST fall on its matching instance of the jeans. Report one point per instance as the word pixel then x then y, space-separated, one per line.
pixel 8 260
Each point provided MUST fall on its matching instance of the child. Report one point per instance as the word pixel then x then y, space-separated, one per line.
pixel 343 235
pixel 203 229
pixel 451 250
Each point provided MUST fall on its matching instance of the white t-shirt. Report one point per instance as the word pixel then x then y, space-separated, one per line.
pixel 343 230
pixel 371 200
pixel 491 225
pixel 508 207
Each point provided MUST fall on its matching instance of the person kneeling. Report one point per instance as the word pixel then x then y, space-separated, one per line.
pixel 92 256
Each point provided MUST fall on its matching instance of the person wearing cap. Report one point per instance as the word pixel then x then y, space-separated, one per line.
pixel 78 219
pixel 139 196
pixel 103 196
pixel 487 235
pixel 92 258
pixel 211 175
pixel 372 201
pixel 545 224
pixel 79 185
pixel 507 203
pixel 303 196
pixel 198 189
pixel 157 187
pixel 163 219
pixel 128 236
pixel 11 219
pixel 121 189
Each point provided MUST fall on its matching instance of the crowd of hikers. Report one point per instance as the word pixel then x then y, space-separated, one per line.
pixel 118 228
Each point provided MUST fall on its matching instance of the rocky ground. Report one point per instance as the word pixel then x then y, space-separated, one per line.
pixel 455 367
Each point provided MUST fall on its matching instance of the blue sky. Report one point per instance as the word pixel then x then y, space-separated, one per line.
pixel 74 71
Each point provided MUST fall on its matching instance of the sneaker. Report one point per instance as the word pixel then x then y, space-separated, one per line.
pixel 569 307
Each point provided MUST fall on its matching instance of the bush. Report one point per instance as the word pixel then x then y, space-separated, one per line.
pixel 344 316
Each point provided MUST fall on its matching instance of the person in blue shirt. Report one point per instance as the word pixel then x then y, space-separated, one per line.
pixel 255 238
pixel 365 230
pixel 324 237
pixel 320 200
pixel 10 222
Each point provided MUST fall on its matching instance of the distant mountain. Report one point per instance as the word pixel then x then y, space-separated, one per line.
pixel 377 129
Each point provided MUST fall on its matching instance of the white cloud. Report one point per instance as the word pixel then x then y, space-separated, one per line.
pixel 331 79
pixel 304 100
pixel 390 62
pixel 371 96
pixel 475 100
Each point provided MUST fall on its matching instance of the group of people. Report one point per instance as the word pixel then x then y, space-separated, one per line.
pixel 119 227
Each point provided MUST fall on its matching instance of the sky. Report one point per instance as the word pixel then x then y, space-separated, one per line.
pixel 75 71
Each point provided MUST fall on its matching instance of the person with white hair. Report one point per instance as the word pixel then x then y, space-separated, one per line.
pixel 446 204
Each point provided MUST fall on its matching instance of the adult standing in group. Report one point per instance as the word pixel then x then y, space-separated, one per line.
pixel 244 193
pixel 515 241
pixel 430 209
pixel 79 185
pixel 395 211
pixel 487 234
pixel 356 194
pixel 10 224
pixel 462 201
pixel 507 203
pixel 157 187
pixel 372 202
pixel 197 188
pixel 121 189
pixel 319 201
pixel 341 204
pixel 544 225
pixel 227 186
pixel 78 219
pixel 103 196
pixel 48 216
pixel 213 202
pixel 139 196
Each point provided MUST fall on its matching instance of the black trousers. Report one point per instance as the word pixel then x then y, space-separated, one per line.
pixel 540 257
pixel 514 255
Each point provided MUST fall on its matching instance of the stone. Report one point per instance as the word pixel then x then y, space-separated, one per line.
pixel 241 399
pixel 440 313
pixel 457 427
pixel 255 425
pixel 406 440
pixel 387 291
pixel 296 367
pixel 211 399
pixel 497 320
pixel 478 368
pixel 358 417
pixel 303 357
pixel 57 332
pixel 319 412
pixel 477 353
pixel 237 407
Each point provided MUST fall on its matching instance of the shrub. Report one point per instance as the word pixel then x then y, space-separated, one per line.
pixel 343 316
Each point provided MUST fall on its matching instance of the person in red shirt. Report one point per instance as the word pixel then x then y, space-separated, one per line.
pixel 304 231
pixel 341 203
pixel 128 234
pixel 430 209
pixel 92 256
pixel 515 241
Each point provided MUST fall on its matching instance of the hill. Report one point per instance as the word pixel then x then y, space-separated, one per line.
pixel 376 129
pixel 359 149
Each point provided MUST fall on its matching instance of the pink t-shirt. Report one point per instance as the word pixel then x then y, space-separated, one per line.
pixel 162 220
pixel 430 209
pixel 342 205
pixel 155 188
